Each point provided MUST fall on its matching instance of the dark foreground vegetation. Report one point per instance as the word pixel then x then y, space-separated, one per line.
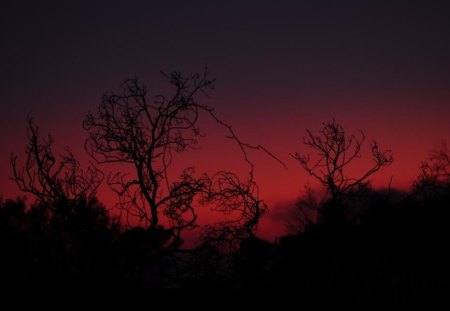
pixel 394 250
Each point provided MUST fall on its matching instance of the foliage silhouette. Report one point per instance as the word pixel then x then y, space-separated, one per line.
pixel 304 213
pixel 44 251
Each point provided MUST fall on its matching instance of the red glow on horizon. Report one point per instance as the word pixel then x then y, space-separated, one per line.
pixel 410 134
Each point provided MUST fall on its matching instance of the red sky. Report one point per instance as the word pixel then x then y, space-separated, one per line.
pixel 281 67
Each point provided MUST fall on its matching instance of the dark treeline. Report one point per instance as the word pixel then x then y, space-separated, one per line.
pixel 350 244
pixel 394 250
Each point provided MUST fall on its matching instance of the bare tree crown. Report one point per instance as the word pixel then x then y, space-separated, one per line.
pixel 128 128
pixel 334 152
pixel 53 178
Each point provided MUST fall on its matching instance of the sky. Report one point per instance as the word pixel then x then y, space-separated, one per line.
pixel 281 67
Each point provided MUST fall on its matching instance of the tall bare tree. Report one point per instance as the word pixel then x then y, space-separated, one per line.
pixel 146 133
pixel 52 178
pixel 334 152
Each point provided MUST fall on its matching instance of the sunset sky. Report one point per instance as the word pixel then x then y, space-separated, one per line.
pixel 281 67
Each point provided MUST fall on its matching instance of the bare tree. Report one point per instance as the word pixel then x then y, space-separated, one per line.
pixel 51 180
pixel 434 176
pixel 129 128
pixel 334 153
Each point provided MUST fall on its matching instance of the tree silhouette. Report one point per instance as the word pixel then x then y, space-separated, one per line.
pixel 51 180
pixel 434 176
pixel 335 152
pixel 231 196
pixel 129 128
pixel 304 213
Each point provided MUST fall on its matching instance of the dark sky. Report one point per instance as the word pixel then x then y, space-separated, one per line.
pixel 281 67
